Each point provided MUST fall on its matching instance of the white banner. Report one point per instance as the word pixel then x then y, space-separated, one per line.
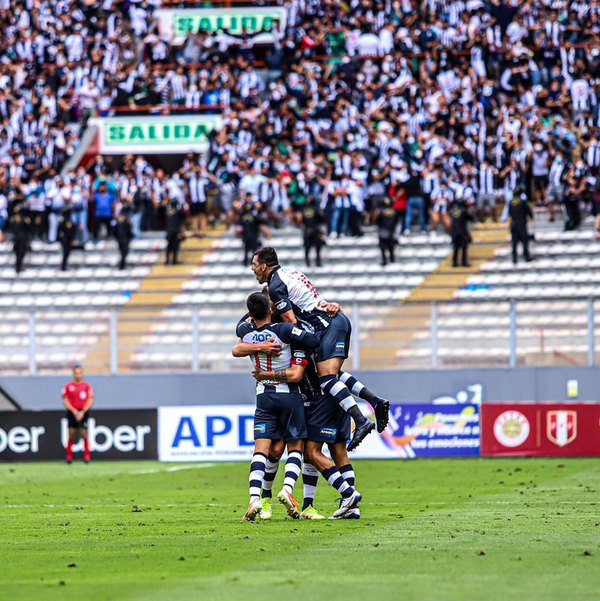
pixel 226 433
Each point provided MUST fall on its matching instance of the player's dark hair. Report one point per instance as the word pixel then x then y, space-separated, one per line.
pixel 267 255
pixel 258 305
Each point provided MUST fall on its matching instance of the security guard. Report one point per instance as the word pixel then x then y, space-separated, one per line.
pixel 459 230
pixel 519 211
pixel 174 222
pixel 249 227
pixel 124 233
pixel 312 220
pixel 66 234
pixel 20 224
pixel 386 221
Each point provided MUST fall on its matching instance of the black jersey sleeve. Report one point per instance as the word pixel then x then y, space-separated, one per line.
pixel 299 339
pixel 244 327
pixel 279 294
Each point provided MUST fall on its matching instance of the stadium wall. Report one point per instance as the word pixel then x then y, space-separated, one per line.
pixel 148 391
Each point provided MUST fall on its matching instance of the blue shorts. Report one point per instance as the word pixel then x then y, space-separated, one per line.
pixel 279 415
pixel 335 339
pixel 326 421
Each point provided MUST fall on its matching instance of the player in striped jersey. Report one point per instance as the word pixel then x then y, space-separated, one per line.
pixel 279 403
pixel 299 303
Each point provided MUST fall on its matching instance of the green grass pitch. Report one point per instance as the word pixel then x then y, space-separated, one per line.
pixel 439 530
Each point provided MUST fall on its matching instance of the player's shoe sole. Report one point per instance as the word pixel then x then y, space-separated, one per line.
pixel 291 504
pixel 310 513
pixel 252 511
pixel 351 514
pixel 360 433
pixel 382 415
pixel 348 503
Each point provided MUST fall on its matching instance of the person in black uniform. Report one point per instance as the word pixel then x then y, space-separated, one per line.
pixel 175 219
pixel 124 233
pixel 386 221
pixel 459 230
pixel 20 225
pixel 519 211
pixel 66 235
pixel 312 220
pixel 249 224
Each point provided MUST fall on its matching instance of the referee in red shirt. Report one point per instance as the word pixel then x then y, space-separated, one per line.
pixel 78 397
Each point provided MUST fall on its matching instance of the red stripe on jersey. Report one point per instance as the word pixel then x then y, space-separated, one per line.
pixel 269 362
pixel 257 361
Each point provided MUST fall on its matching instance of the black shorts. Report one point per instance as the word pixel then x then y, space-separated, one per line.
pixel 335 339
pixel 73 423
pixel 326 421
pixel 279 415
pixel 197 208
pixel 540 182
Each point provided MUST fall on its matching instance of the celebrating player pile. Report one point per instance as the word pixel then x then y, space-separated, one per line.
pixel 281 361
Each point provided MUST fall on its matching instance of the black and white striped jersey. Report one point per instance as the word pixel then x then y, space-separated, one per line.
pixel 291 290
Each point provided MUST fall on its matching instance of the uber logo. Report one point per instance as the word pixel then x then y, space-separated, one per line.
pixel 21 440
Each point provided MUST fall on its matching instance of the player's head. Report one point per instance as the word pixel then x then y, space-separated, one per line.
pixel 264 261
pixel 259 306
pixel 77 372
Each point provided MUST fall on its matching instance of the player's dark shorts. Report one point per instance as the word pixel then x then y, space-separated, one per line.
pixel 326 421
pixel 73 423
pixel 279 415
pixel 335 339
pixel 197 208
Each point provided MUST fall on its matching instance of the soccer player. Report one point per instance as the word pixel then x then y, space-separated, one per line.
pixel 279 403
pixel 308 386
pixel 78 397
pixel 328 423
pixel 299 303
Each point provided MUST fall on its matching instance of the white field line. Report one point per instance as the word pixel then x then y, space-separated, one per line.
pixel 363 503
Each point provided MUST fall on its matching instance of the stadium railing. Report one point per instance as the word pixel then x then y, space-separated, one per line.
pixel 476 332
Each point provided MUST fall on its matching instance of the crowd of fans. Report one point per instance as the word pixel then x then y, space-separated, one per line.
pixel 426 103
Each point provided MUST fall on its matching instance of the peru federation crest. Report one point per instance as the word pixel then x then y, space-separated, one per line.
pixel 561 427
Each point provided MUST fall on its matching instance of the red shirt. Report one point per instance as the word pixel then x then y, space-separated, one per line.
pixel 78 393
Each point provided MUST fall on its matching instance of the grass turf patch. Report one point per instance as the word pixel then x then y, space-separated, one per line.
pixel 451 530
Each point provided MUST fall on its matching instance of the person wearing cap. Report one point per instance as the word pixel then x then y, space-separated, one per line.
pixel 519 212
pixel 20 225
pixel 124 233
pixel 66 235
pixel 459 230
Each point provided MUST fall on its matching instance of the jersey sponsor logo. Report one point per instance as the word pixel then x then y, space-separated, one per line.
pixel 561 427
pixel 260 428
pixel 281 305
pixel 296 331
pixel 340 346
pixel 299 354
pixel 329 432
pixel 511 428
pixel 261 336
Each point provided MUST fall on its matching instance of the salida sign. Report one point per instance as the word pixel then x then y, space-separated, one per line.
pixel 155 134
pixel 33 435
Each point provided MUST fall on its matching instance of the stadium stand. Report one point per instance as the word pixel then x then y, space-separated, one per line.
pixel 430 104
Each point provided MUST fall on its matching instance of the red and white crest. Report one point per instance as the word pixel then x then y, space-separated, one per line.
pixel 561 427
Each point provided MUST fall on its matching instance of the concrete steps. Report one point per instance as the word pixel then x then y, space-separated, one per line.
pixel 147 303
pixel 412 315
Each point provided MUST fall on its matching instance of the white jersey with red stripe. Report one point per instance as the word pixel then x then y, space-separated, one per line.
pixel 280 333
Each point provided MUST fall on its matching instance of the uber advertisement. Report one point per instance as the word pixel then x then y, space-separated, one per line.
pixel 42 435
pixel 225 433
